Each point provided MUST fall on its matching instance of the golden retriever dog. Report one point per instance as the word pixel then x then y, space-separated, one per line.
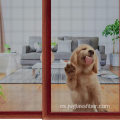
pixel 82 79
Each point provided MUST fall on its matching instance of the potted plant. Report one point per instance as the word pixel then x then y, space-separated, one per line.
pixel 113 31
pixel 7 48
pixel 2 96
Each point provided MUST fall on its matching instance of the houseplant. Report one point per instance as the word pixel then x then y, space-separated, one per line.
pixel 7 48
pixel 2 96
pixel 112 30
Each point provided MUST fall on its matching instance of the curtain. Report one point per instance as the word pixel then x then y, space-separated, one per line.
pixel 2 38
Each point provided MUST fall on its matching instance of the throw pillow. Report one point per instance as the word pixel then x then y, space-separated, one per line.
pixel 67 38
pixel 38 47
pixel 32 49
pixel 39 50
pixel 83 41
pixel 54 49
pixel 64 46
pixel 74 45
pixel 27 49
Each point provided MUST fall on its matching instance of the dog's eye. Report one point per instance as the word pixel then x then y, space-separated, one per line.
pixel 84 49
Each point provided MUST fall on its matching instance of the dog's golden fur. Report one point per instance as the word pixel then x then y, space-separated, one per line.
pixel 82 79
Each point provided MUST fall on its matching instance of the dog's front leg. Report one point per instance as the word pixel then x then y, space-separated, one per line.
pixel 71 76
pixel 96 95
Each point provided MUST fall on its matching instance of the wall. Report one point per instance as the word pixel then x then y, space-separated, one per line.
pixel 23 18
pixel 84 18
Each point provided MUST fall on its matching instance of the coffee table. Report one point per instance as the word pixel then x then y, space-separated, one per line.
pixel 57 71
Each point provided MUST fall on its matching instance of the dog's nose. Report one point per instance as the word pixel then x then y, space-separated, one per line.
pixel 91 52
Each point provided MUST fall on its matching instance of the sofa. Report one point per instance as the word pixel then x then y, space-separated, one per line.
pixel 30 55
pixel 62 50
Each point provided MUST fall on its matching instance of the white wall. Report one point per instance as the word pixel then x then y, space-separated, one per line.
pixel 84 18
pixel 22 18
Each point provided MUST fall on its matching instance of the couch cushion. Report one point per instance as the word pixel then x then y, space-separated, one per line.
pixel 64 46
pixel 34 39
pixel 83 41
pixel 103 56
pixel 74 45
pixel 31 56
pixel 29 62
pixel 27 49
pixel 32 49
pixel 62 55
pixel 67 38
pixel 60 38
pixel 93 41
pixel 38 47
pixel 102 49
pixel 55 48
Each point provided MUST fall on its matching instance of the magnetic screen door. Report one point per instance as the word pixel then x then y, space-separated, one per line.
pixel 20 62
pixel 84 58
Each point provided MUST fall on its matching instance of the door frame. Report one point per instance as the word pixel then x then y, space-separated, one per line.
pixel 46 88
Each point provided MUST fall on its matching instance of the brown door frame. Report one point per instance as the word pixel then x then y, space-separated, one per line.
pixel 20 114
pixel 46 88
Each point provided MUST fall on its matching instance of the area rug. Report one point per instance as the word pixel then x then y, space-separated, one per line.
pixel 21 76
pixel 24 76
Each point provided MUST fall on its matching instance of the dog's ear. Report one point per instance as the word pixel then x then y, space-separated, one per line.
pixel 73 58
pixel 95 66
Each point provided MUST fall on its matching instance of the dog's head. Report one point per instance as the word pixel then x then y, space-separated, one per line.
pixel 84 56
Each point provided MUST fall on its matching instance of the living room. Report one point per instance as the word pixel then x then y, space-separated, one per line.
pixel 74 22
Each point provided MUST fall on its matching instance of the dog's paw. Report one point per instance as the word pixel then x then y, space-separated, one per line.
pixel 69 68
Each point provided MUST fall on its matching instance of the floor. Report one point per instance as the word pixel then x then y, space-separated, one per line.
pixel 19 97
pixel 110 96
